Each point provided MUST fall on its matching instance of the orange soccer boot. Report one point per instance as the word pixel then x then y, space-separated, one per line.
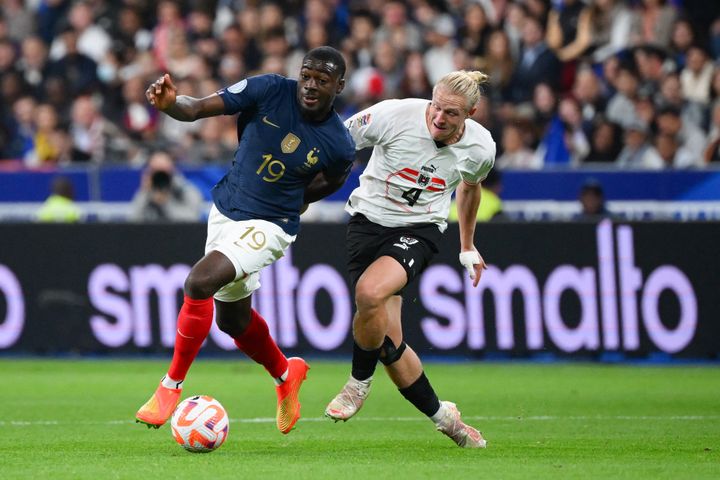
pixel 159 408
pixel 288 404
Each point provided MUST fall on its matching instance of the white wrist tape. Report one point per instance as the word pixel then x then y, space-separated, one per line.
pixel 467 260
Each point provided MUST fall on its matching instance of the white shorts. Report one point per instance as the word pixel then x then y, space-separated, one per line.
pixel 250 245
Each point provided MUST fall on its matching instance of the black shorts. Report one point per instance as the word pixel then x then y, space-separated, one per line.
pixel 413 247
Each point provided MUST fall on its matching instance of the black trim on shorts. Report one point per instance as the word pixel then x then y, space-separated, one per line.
pixel 413 246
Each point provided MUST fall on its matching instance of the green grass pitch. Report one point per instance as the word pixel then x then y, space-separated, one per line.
pixel 65 419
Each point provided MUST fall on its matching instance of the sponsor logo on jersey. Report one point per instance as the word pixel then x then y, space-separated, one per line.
pixel 268 122
pixel 290 143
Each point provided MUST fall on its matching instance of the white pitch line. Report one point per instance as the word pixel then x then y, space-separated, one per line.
pixel 536 418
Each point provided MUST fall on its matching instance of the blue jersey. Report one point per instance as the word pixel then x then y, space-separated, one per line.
pixel 279 152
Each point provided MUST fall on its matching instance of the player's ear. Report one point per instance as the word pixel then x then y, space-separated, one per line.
pixel 472 111
pixel 340 86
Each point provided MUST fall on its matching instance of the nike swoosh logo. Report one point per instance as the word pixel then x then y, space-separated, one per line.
pixel 265 120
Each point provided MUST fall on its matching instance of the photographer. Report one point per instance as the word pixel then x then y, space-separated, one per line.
pixel 165 195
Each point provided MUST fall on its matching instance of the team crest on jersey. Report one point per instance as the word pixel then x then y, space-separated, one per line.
pixel 312 157
pixel 423 178
pixel 290 143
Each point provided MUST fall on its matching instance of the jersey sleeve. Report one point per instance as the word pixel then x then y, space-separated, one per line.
pixel 344 157
pixel 370 126
pixel 248 93
pixel 474 169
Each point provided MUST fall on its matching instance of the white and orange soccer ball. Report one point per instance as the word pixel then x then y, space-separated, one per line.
pixel 200 424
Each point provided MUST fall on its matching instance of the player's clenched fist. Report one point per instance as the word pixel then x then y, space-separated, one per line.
pixel 162 93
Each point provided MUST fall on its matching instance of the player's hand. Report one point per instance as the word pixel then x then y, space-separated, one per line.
pixel 162 93
pixel 473 263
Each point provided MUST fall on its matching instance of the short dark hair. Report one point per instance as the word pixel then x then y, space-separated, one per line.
pixel 63 187
pixel 328 54
pixel 363 13
pixel 629 68
pixel 699 46
pixel 592 185
pixel 654 51
pixel 669 110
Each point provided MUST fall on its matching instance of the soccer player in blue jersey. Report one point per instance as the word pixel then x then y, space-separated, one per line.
pixel 293 150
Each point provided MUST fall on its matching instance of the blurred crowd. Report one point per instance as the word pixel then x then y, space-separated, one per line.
pixel 628 84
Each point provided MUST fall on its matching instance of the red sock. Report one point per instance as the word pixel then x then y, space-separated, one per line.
pixel 193 326
pixel 257 344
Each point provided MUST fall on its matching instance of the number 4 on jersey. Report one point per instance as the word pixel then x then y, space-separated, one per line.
pixel 412 195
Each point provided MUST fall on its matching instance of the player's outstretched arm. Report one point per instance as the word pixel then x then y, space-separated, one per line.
pixel 468 201
pixel 162 93
pixel 321 186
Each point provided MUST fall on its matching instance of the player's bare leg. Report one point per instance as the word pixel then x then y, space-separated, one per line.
pixel 381 280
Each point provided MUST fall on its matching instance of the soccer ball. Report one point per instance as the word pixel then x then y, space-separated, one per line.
pixel 200 424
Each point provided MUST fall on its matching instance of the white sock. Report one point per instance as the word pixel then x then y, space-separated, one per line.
pixel 439 415
pixel 168 382
pixel 279 380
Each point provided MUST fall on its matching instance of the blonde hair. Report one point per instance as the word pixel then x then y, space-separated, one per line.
pixel 465 83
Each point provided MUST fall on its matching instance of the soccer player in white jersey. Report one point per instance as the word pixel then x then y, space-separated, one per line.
pixel 423 151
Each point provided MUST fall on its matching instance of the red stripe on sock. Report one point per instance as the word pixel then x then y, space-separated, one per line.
pixel 257 344
pixel 193 326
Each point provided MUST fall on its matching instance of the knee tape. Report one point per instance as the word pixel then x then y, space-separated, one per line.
pixel 390 353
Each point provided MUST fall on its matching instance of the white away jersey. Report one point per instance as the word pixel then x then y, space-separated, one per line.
pixel 408 179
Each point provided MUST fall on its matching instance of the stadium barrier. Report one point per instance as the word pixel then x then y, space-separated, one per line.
pixel 593 291
pixel 104 192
